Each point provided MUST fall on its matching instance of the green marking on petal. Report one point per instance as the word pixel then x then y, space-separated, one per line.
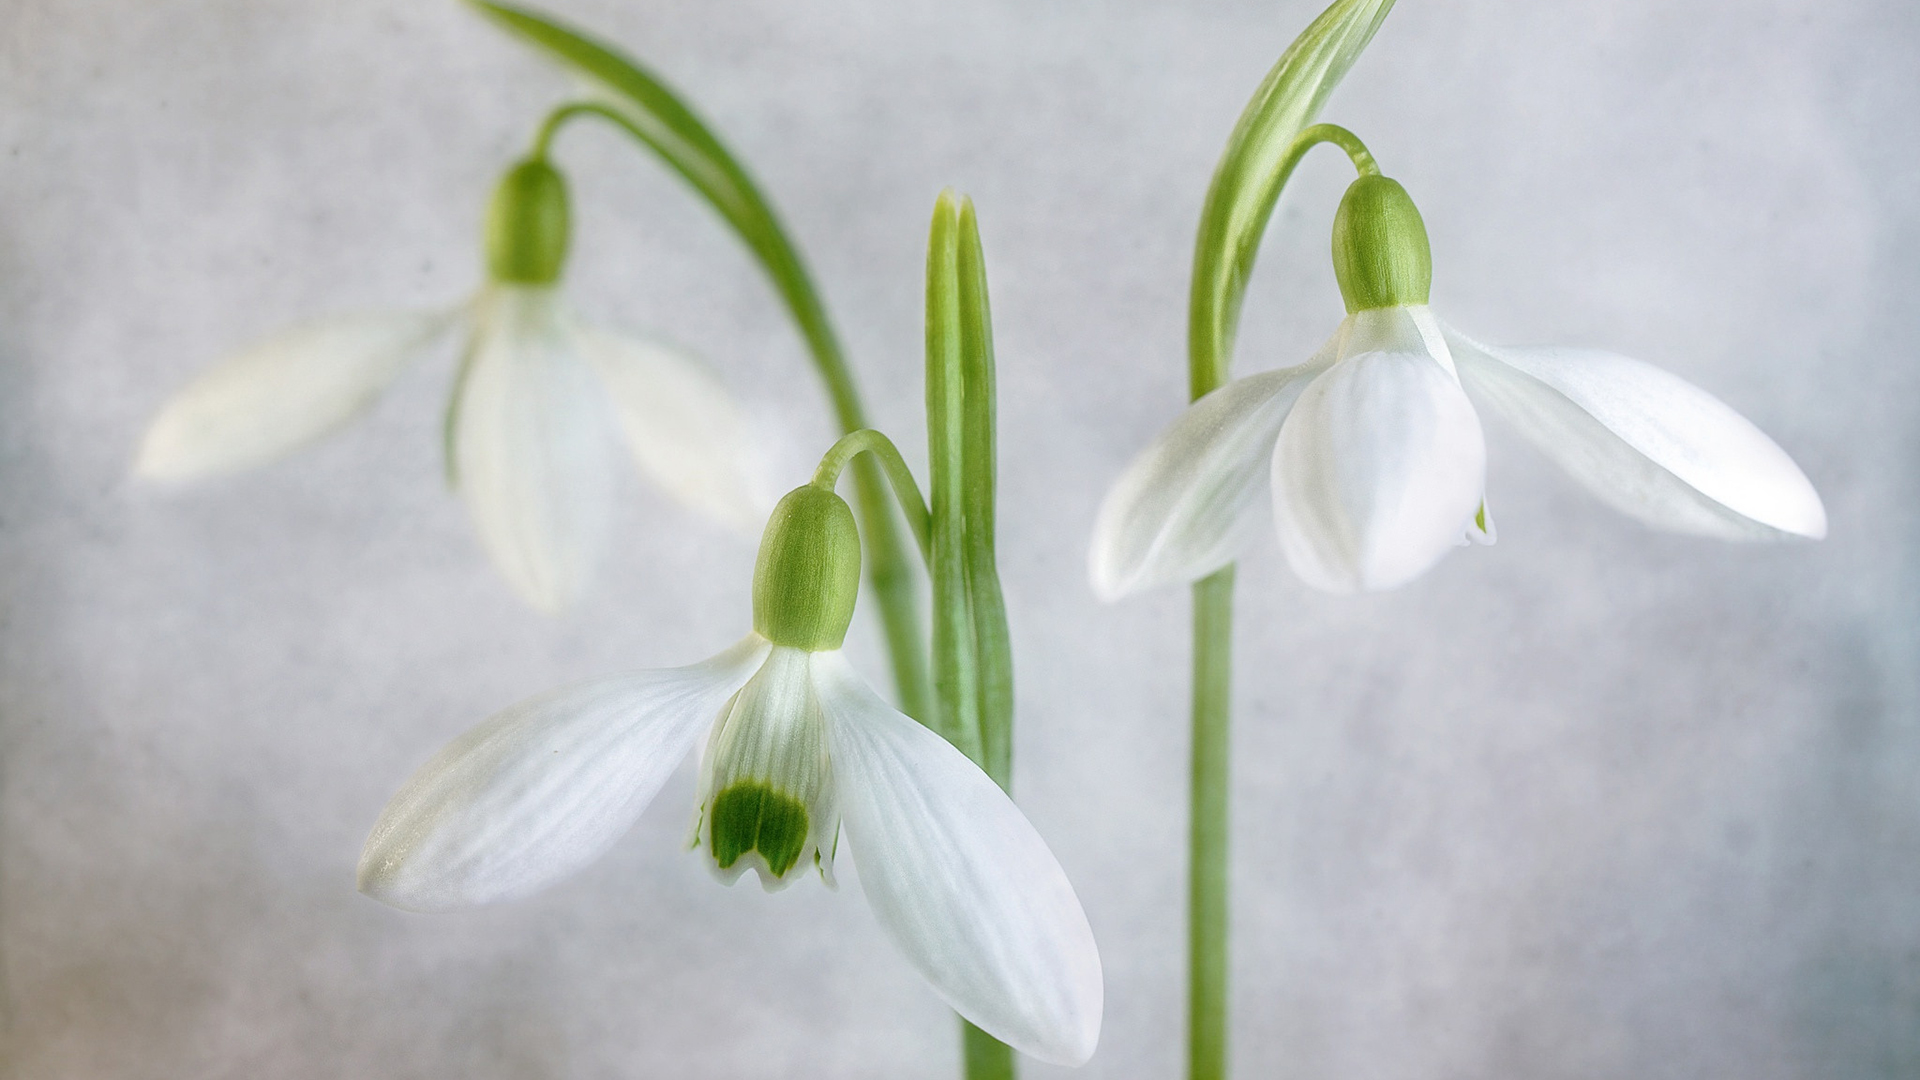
pixel 754 817
pixel 1480 518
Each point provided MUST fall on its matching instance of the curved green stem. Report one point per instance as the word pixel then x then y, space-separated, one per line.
pixel 1208 1012
pixel 664 125
pixel 906 491
pixel 558 118
pixel 1274 131
pixel 1357 151
pixel 1210 341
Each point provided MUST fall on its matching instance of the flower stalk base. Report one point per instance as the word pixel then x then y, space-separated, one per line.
pixel 1207 1011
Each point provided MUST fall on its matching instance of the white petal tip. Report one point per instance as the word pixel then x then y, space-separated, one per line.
pixel 382 876
pixel 1106 585
pixel 1800 514
pixel 552 605
pixel 1073 1040
pixel 752 860
pixel 168 454
pixel 1816 529
pixel 153 466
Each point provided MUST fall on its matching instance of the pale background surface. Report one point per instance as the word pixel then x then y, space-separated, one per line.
pixel 1591 803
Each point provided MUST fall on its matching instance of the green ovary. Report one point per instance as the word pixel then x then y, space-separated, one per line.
pixel 754 817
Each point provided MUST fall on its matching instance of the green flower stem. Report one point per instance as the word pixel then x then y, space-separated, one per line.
pixel 1207 836
pixel 1357 151
pixel 1253 168
pixel 559 117
pixel 647 109
pixel 887 572
pixel 973 657
pixel 993 652
pixel 1214 320
pixel 906 492
pixel 1274 131
pixel 985 1057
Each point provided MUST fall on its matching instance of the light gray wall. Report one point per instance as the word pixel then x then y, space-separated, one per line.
pixel 1591 803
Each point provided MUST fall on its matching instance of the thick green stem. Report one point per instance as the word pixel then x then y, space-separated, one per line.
pixel 985 1057
pixel 1210 353
pixel 1207 893
pixel 1271 137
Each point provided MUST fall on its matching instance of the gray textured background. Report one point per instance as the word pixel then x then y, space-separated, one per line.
pixel 1592 803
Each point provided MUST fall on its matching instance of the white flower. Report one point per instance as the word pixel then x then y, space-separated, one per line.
pixel 528 443
pixel 797 746
pixel 1376 462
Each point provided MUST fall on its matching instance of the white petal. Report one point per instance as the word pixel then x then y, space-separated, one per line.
pixel 282 393
pixel 1377 473
pixel 959 879
pixel 771 739
pixel 543 788
pixel 1407 329
pixel 531 447
pixel 685 430
pixel 1185 507
pixel 1647 442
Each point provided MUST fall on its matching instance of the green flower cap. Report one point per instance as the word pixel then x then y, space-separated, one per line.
pixel 808 573
pixel 528 225
pixel 1380 252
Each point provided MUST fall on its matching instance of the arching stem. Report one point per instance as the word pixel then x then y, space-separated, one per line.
pixel 906 491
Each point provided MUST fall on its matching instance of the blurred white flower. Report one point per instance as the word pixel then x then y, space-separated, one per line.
pixel 528 444
pixel 1375 458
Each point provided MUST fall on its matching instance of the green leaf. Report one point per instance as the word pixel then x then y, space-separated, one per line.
pixel 955 682
pixel 1253 170
pixel 973 660
pixel 993 651
pixel 972 655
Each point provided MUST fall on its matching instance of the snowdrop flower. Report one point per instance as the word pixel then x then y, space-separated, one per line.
pixel 527 441
pixel 797 745
pixel 1374 455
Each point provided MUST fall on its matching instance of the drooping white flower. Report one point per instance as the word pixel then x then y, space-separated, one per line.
pixel 528 442
pixel 1374 456
pixel 797 747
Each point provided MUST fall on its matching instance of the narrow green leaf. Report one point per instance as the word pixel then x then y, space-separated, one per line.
pixel 993 652
pixel 955 663
pixel 972 658
pixel 1253 170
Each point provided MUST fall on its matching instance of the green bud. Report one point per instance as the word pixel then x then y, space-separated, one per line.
pixel 808 574
pixel 527 225
pixel 1380 253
